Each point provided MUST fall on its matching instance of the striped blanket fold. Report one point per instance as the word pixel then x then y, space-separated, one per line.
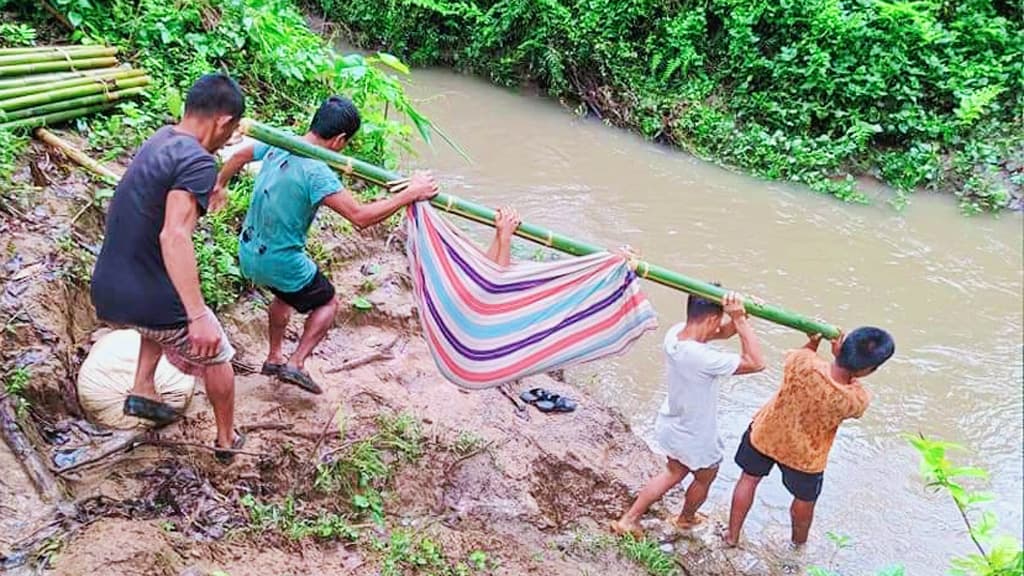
pixel 486 324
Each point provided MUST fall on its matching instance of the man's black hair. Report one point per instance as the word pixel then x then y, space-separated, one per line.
pixel 214 95
pixel 865 347
pixel 698 307
pixel 337 115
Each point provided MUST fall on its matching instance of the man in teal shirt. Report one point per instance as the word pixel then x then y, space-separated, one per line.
pixel 272 246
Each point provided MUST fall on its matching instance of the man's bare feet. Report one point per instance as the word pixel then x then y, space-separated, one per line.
pixel 689 523
pixel 621 528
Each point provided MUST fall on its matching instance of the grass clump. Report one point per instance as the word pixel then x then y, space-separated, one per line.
pixel 647 555
pixel 466 443
pixel 15 386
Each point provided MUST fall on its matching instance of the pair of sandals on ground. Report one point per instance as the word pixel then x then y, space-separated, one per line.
pixel 546 401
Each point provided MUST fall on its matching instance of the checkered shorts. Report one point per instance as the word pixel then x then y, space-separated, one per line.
pixel 178 348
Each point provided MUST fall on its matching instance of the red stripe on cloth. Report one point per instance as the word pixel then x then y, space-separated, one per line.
pixel 537 357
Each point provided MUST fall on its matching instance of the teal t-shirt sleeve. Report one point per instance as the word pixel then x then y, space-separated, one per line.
pixel 259 151
pixel 322 182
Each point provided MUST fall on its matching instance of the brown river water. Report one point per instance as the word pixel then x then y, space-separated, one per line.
pixel 948 287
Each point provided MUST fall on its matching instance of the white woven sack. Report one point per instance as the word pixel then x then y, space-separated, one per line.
pixel 108 374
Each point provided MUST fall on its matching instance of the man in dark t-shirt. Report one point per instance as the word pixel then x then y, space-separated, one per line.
pixel 146 276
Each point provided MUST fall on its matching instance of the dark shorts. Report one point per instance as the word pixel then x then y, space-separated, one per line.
pixel 802 485
pixel 317 293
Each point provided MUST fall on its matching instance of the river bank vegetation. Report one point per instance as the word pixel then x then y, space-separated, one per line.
pixel 285 69
pixel 924 94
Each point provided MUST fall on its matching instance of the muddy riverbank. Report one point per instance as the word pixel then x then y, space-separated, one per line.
pixel 469 478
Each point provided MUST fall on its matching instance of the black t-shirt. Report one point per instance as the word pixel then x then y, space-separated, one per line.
pixel 130 284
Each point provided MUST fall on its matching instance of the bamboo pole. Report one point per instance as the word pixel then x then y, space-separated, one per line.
pixel 69 104
pixel 108 79
pixel 18 82
pixel 35 49
pixel 376 175
pixel 55 118
pixel 58 54
pixel 57 66
pixel 79 157
pixel 41 98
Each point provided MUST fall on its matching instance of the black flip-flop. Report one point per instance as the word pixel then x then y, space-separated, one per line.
pixel 534 395
pixel 224 456
pixel 271 368
pixel 159 413
pixel 556 403
pixel 298 378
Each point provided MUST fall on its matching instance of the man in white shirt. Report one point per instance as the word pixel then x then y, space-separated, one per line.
pixel 686 429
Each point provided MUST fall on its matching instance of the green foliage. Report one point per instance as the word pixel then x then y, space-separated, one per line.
pixel 288 519
pixel 409 553
pixel 998 554
pixel 114 135
pixel 362 304
pixel 466 443
pixel 840 541
pixel 401 434
pixel 216 247
pixel 813 91
pixel 11 147
pixel 75 263
pixel 361 471
pixel 285 69
pixel 16 34
pixel 15 385
pixel 648 556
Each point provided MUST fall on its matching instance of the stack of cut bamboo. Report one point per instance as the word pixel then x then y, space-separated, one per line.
pixel 46 85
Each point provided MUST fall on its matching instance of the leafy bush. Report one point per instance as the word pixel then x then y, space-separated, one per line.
pixel 285 69
pixel 930 93
pixel 997 554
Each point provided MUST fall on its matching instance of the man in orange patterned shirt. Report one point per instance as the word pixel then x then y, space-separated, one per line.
pixel 795 429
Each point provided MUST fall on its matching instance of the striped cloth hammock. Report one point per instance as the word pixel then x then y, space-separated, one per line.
pixel 486 324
